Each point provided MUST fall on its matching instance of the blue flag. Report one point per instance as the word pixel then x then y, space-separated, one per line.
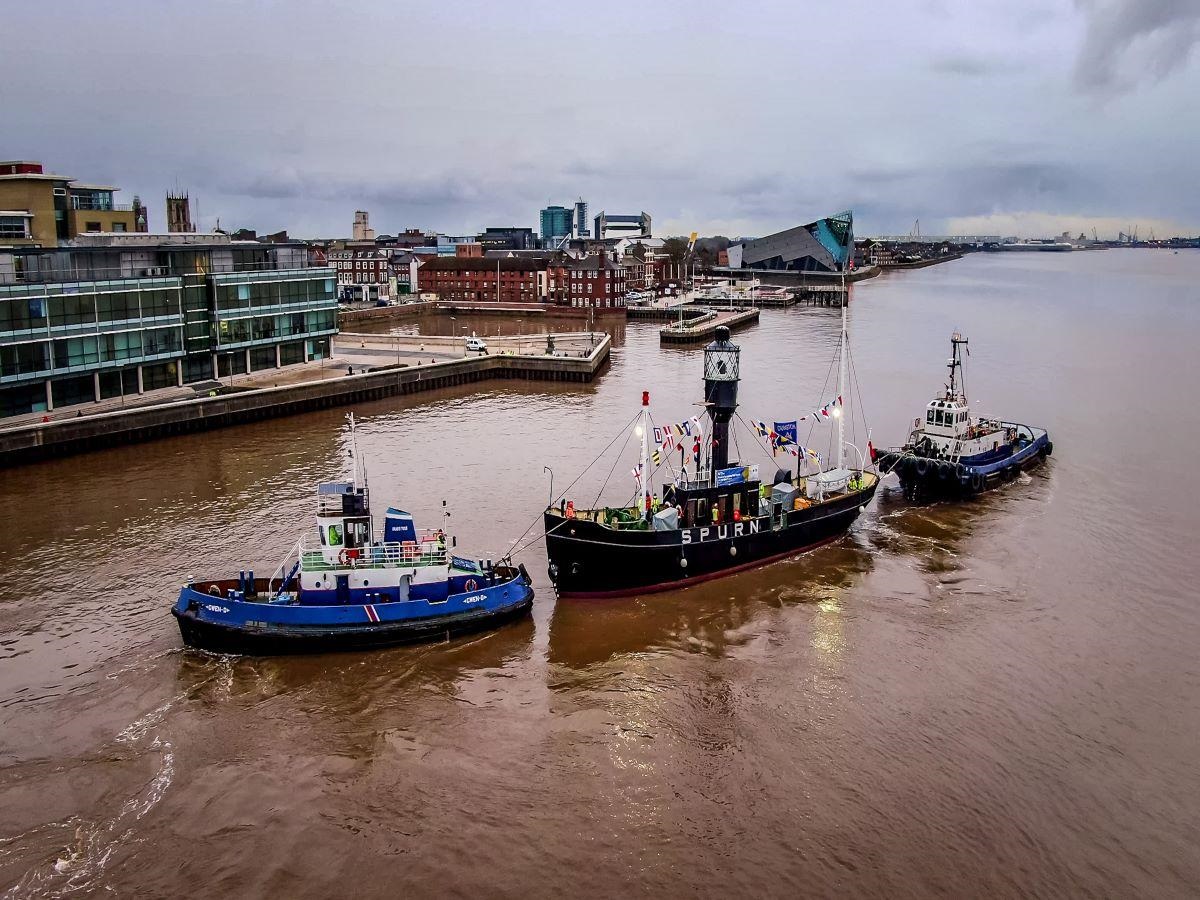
pixel 785 433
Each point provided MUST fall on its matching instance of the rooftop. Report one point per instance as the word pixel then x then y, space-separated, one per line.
pixel 31 176
pixel 479 263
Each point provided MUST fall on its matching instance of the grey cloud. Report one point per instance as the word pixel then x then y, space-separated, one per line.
pixel 971 66
pixel 1128 42
pixel 934 110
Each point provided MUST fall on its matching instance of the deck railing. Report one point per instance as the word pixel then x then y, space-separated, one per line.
pixel 379 556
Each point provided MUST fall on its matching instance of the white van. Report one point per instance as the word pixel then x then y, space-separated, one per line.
pixel 476 344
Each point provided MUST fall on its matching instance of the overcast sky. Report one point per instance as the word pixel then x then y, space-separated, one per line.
pixel 1015 117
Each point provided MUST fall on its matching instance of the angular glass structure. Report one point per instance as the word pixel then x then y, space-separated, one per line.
pixel 826 245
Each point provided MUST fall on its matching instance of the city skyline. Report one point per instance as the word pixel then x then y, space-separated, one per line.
pixel 1031 119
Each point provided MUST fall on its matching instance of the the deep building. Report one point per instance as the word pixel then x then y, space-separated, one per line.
pixel 826 245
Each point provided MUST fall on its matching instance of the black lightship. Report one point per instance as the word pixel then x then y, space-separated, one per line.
pixel 722 520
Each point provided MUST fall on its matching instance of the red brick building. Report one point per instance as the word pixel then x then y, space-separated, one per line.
pixel 474 279
pixel 594 281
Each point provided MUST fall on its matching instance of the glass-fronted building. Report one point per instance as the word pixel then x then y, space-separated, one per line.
pixel 555 224
pixel 826 245
pixel 128 313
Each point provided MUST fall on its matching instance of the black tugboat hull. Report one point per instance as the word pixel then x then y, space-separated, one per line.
pixel 927 480
pixel 590 560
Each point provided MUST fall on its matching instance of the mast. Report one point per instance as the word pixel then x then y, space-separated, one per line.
pixel 955 365
pixel 721 365
pixel 644 492
pixel 838 410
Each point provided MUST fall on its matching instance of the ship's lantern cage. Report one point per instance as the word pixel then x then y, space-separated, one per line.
pixel 721 361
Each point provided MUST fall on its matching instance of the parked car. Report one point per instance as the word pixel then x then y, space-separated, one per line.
pixel 476 344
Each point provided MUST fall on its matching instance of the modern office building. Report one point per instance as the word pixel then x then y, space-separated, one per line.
pixel 508 239
pixel 120 314
pixel 38 209
pixel 826 245
pixel 615 226
pixel 563 223
pixel 579 220
pixel 556 225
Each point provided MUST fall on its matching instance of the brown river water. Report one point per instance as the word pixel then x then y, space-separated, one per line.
pixel 994 698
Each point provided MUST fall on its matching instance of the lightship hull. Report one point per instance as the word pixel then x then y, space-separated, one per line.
pixel 590 560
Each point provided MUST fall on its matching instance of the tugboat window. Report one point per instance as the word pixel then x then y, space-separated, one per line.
pixel 929 417
pixel 335 536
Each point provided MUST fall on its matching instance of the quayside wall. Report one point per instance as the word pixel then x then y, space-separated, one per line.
pixel 63 437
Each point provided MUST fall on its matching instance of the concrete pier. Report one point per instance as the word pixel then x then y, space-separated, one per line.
pixel 62 437
pixel 703 327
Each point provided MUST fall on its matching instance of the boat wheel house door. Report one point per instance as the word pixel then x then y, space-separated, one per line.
pixel 343 522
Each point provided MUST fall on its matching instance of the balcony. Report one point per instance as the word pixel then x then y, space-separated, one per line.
pixel 83 204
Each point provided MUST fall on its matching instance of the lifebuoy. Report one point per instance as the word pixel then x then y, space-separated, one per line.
pixel 472 584
pixel 570 509
pixel 347 556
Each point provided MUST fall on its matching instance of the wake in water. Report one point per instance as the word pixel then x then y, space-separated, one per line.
pixel 94 843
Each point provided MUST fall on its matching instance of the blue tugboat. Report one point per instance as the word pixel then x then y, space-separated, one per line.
pixel 954 454
pixel 349 591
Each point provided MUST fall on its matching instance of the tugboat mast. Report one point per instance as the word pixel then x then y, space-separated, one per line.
pixel 955 366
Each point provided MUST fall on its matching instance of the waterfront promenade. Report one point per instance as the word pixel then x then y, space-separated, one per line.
pixel 375 374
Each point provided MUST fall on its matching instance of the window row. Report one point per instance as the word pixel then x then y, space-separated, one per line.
pixel 273 293
pixel 61 310
pixel 258 328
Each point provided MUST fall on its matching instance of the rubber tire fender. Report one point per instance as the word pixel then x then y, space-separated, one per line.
pixel 960 470
pixel 921 467
pixel 1049 448
pixel 978 481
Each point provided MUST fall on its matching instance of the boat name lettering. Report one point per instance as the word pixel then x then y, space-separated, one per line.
pixel 721 532
pixel 211 607
pixel 475 599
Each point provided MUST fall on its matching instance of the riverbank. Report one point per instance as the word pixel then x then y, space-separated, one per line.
pixel 424 307
pixel 31 442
